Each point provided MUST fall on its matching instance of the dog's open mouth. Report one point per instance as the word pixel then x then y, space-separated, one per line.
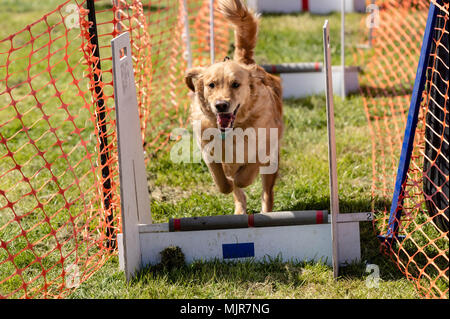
pixel 226 120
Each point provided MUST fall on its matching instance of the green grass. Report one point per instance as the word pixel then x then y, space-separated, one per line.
pixel 49 161
pixel 269 279
pixel 298 37
pixel 187 189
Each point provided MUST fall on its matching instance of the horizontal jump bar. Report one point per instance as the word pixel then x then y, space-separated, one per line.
pixel 288 218
pixel 306 67
pixel 293 67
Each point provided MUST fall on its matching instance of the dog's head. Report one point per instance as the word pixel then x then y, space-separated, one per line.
pixel 225 90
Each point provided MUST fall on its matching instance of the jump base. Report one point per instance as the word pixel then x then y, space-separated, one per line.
pixel 334 243
pixel 302 84
pixel 290 243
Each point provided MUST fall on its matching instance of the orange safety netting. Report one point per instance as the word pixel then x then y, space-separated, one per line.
pixel 59 202
pixel 421 251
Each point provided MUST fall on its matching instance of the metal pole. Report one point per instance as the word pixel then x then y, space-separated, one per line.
pixel 301 67
pixel 101 125
pixel 343 49
pixel 211 31
pixel 287 218
pixel 186 34
pixel 334 199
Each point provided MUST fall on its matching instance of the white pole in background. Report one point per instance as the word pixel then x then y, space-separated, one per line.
pixel 186 35
pixel 343 48
pixel 211 31
pixel 334 197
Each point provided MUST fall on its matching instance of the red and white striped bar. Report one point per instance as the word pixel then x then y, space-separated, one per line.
pixel 286 218
pixel 312 6
pixel 301 67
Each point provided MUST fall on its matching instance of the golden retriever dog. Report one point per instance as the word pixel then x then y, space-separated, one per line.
pixel 238 94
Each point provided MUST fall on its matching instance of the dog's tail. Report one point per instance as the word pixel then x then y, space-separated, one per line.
pixel 245 29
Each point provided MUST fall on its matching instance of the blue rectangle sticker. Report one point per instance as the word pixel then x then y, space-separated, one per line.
pixel 238 250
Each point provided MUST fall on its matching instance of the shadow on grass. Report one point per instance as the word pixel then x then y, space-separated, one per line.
pixel 370 247
pixel 387 92
pixel 271 272
pixel 371 253
pixel 293 273
pixel 359 205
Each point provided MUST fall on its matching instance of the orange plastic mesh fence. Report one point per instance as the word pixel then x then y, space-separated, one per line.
pixel 390 70
pixel 59 202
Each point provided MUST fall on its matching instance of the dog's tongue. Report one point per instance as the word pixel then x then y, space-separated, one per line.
pixel 224 119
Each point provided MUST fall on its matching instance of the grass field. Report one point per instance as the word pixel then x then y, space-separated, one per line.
pixel 180 190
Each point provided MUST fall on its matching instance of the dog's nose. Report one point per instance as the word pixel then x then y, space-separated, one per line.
pixel 222 106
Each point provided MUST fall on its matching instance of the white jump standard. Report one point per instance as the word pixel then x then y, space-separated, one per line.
pixel 312 78
pixel 291 236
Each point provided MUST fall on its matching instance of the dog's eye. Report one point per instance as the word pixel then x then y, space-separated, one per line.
pixel 211 85
pixel 235 85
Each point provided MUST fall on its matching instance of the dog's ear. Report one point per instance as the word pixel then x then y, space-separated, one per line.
pixel 257 72
pixel 192 75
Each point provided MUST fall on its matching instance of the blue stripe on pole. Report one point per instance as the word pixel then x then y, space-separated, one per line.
pixel 408 140
pixel 238 250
